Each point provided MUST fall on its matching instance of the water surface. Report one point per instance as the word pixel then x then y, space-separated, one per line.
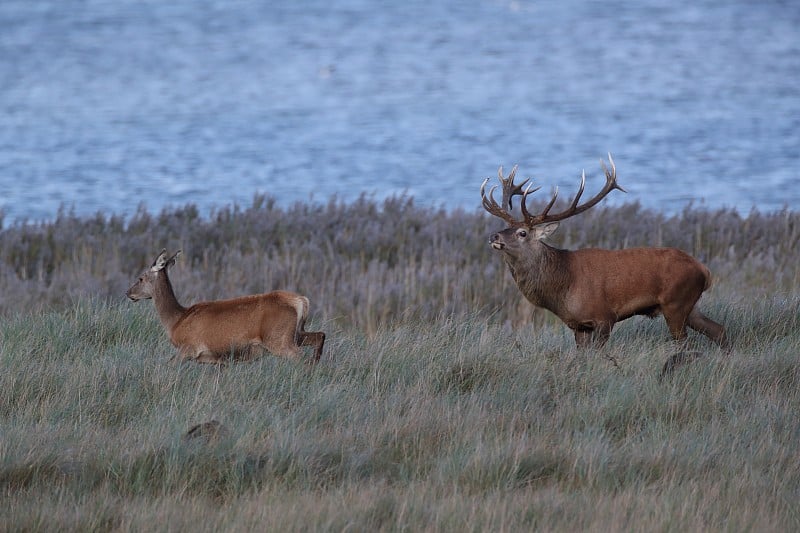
pixel 108 104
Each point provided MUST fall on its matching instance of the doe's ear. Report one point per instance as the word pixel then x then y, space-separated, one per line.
pixel 171 260
pixel 160 262
pixel 540 232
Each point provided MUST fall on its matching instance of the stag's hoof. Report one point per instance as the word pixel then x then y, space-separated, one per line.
pixel 677 360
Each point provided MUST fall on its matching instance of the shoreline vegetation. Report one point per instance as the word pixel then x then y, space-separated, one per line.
pixel 443 400
pixel 367 263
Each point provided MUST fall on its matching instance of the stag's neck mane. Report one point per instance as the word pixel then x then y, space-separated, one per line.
pixel 542 276
pixel 169 310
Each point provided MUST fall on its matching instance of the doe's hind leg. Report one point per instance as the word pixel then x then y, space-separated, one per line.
pixel 313 338
pixel 252 351
pixel 286 349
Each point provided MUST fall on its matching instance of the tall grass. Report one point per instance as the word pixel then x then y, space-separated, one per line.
pixel 366 263
pixel 454 424
pixel 429 411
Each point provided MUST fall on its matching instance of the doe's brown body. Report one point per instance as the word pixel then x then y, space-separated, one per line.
pixel 209 332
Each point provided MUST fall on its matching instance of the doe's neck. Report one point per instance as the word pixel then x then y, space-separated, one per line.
pixel 167 306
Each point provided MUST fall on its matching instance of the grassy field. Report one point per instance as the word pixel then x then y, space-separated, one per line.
pixel 443 402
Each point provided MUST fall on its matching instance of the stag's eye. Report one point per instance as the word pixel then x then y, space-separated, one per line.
pixel 521 233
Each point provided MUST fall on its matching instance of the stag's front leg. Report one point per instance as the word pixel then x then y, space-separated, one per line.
pixel 583 338
pixel 593 334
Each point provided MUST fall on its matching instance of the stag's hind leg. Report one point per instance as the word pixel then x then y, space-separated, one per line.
pixel 702 324
pixel 677 317
pixel 698 322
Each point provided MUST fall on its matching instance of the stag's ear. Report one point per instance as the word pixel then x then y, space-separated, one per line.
pixel 544 230
pixel 160 262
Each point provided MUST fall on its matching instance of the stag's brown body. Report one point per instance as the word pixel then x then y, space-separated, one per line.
pixel 592 289
pixel 210 332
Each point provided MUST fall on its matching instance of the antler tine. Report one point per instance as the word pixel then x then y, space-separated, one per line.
pixel 525 213
pixel 491 205
pixel 574 208
pixel 612 176
pixel 510 189
pixel 580 190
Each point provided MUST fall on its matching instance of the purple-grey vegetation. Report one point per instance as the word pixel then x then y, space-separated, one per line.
pixel 366 263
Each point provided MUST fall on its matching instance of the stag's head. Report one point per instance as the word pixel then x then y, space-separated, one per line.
pixel 144 287
pixel 524 233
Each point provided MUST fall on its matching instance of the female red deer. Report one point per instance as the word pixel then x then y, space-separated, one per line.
pixel 208 332
pixel 590 290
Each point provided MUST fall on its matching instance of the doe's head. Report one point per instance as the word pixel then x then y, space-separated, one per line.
pixel 144 286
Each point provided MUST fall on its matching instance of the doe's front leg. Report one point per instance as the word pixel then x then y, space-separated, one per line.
pixel 209 358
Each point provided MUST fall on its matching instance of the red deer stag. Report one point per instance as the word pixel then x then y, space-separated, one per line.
pixel 208 332
pixel 592 289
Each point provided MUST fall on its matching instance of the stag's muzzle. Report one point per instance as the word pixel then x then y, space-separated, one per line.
pixel 496 242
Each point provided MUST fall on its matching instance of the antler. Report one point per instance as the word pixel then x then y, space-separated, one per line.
pixel 529 220
pixel 509 191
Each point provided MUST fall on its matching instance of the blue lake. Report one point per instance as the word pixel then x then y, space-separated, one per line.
pixel 106 105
